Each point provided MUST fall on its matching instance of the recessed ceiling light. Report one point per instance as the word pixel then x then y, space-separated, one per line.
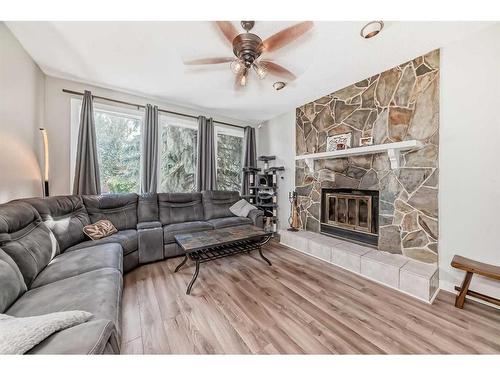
pixel 371 29
pixel 279 85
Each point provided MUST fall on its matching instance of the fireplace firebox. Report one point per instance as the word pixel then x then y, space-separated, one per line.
pixel 350 214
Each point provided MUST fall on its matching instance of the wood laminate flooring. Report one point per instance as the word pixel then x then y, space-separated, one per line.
pixel 240 305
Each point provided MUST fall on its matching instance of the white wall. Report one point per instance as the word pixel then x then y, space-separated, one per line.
pixel 58 123
pixel 21 114
pixel 469 160
pixel 277 137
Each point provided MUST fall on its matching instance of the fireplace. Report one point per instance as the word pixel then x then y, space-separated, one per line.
pixel 350 214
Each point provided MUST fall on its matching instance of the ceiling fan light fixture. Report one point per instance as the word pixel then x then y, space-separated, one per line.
pixel 279 85
pixel 243 79
pixel 371 29
pixel 260 70
pixel 237 66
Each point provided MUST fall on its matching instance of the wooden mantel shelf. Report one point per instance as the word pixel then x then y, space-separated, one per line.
pixel 392 149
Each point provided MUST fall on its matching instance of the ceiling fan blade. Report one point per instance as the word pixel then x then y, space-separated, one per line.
pixel 240 79
pixel 286 36
pixel 210 60
pixel 228 30
pixel 277 70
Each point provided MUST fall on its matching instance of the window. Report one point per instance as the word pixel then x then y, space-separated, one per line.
pixel 118 140
pixel 229 148
pixel 177 151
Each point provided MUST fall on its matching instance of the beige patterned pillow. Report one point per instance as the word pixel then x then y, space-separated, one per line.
pixel 100 229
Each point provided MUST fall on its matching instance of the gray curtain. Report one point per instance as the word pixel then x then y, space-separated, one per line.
pixel 205 166
pixel 87 166
pixel 149 167
pixel 249 156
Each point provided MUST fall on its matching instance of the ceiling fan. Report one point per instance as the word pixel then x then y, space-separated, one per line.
pixel 248 47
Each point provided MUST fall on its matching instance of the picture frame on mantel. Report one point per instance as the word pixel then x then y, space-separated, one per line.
pixel 365 141
pixel 338 142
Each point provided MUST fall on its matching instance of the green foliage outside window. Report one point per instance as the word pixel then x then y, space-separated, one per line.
pixel 229 160
pixel 118 150
pixel 178 159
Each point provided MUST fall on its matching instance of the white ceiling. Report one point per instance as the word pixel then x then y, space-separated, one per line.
pixel 147 58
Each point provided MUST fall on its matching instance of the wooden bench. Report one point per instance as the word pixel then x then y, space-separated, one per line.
pixel 472 267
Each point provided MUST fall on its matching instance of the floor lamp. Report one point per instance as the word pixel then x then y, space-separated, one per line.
pixel 45 140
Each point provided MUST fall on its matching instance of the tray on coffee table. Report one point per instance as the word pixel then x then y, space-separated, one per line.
pixel 210 245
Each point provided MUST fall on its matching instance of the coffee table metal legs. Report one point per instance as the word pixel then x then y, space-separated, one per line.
pixel 207 255
pixel 263 257
pixel 182 263
pixel 195 275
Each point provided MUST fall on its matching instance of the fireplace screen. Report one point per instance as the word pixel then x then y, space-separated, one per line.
pixel 350 214
pixel 349 211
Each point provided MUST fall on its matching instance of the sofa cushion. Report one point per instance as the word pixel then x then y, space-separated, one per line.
pixel 180 207
pixel 126 238
pixel 147 207
pixel 216 203
pixel 26 239
pixel 224 222
pixel 169 231
pixel 93 337
pixel 73 263
pixel 65 216
pixel 11 282
pixel 97 292
pixel 120 209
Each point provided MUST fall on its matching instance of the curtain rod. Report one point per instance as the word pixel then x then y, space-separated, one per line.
pixel 143 106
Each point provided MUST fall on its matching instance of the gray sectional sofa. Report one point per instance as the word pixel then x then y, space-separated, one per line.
pixel 42 239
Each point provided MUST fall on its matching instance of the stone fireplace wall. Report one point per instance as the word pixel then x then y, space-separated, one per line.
pixel 399 104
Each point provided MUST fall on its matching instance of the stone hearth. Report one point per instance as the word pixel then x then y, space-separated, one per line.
pixel 396 105
pixel 396 271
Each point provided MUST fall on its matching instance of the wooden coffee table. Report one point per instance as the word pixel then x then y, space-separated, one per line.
pixel 209 245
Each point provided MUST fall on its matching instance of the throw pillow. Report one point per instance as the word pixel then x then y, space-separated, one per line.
pixel 19 335
pixel 241 208
pixel 100 229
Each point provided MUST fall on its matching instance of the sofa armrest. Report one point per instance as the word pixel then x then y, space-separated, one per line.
pixel 148 225
pixel 257 217
pixel 150 240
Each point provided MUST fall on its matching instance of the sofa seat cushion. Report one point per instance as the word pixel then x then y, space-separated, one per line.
pixel 77 262
pixel 98 292
pixel 92 337
pixel 126 238
pixel 169 231
pixel 225 222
